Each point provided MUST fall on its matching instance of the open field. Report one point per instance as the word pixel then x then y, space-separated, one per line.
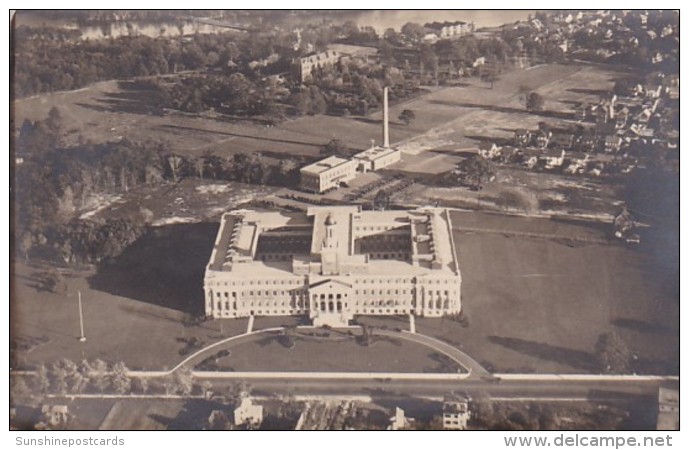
pixel 335 353
pixel 125 318
pixel 540 305
pixel 533 304
pixel 450 123
pixel 112 110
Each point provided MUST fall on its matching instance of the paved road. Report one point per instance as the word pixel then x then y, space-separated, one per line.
pixel 593 389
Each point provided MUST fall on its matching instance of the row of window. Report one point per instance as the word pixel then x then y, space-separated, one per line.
pixel 336 296
pixel 321 304
pixel 357 281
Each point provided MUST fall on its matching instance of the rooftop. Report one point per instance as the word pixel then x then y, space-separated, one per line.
pixel 374 153
pixel 324 165
pixel 339 235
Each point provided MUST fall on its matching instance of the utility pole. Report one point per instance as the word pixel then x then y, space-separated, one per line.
pixel 82 338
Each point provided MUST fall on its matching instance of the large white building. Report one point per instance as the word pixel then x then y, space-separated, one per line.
pixel 331 172
pixel 328 173
pixel 304 66
pixel 332 263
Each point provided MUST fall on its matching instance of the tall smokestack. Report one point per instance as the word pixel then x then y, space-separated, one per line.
pixel 386 134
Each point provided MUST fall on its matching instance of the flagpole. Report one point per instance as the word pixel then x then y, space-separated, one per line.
pixel 82 338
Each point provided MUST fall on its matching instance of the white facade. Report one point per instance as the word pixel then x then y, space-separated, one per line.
pixel 327 174
pixel 376 158
pixel 333 263
pixel 304 66
pixel 248 414
pixel 455 415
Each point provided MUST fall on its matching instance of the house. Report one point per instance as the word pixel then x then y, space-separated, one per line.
pixel 588 142
pixel 398 421
pixel 600 161
pixel 612 143
pixel 248 414
pixel 577 162
pixel 530 158
pixel 553 158
pixel 480 61
pixel 522 137
pixel 489 150
pixel 54 416
pixel 621 117
pixel 563 140
pixel 445 30
pixel 668 409
pixel 581 112
pixel 455 414
pixel 543 138
pixel 510 154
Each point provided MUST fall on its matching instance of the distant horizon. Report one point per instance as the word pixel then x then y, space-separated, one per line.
pixel 379 19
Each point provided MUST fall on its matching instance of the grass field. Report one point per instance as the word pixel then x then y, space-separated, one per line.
pixel 125 318
pixel 540 305
pixel 534 304
pixel 337 353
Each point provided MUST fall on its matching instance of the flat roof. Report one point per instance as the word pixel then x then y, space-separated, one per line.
pixel 375 153
pixel 324 165
pixel 433 252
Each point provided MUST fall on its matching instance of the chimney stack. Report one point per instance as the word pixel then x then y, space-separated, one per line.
pixel 386 134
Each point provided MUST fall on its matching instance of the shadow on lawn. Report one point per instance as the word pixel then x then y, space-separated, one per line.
pixel 567 356
pixel 164 267
pixel 505 109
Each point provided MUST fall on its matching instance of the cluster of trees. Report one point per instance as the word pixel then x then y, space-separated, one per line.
pixel 48 61
pixel 54 183
pixel 235 94
pixel 64 377
pixel 473 172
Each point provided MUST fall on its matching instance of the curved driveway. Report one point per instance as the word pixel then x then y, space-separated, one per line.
pixel 474 368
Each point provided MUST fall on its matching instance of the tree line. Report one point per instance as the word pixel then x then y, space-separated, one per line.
pixel 54 182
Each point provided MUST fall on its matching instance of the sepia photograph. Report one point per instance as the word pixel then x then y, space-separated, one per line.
pixel 308 219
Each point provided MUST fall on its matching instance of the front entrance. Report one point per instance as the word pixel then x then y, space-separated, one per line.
pixel 329 303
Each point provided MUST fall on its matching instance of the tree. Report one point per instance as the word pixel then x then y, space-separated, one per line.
pixel 99 375
pixel 473 172
pixel 183 381
pixel 120 379
pixel 407 116
pixel 335 148
pixel 534 101
pixel 412 31
pixel 63 371
pixel 84 370
pixel 490 71
pixel 140 384
pixel 41 381
pixel 612 354
pixel 25 244
pixel 175 162
pixel 382 200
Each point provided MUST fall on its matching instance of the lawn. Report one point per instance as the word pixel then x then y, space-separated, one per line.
pixel 129 312
pixel 336 353
pixel 540 305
